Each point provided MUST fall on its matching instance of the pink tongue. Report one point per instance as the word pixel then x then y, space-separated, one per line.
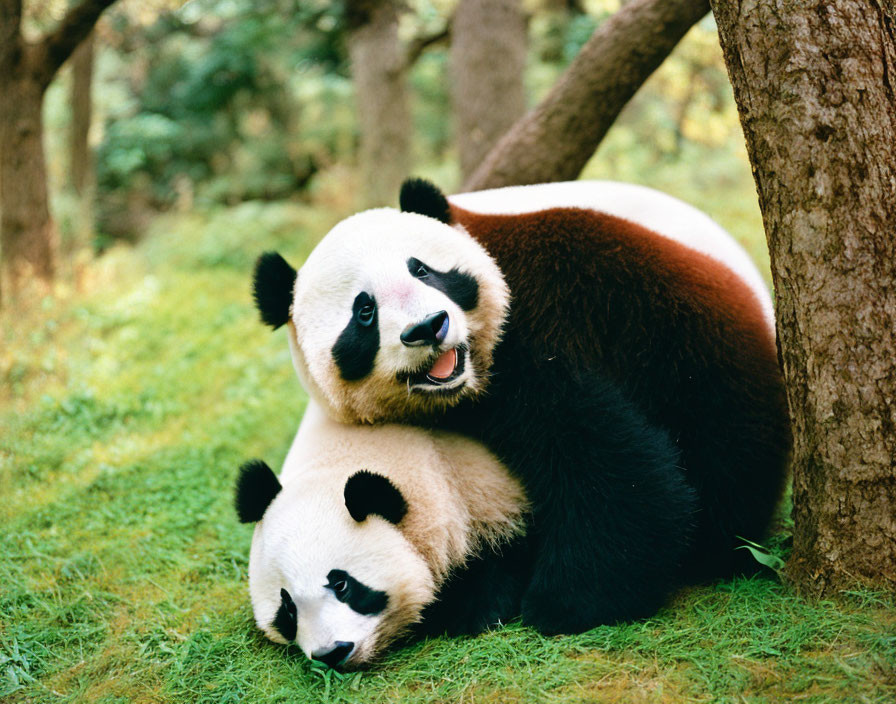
pixel 444 366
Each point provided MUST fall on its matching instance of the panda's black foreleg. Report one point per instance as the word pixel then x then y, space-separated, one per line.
pixel 612 513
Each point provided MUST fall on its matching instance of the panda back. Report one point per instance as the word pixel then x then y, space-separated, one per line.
pixel 656 211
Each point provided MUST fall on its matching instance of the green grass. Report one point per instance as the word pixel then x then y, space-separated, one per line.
pixel 126 409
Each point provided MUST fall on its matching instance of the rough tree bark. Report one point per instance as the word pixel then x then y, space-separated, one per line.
pixel 378 65
pixel 554 141
pixel 488 60
pixel 27 236
pixel 815 83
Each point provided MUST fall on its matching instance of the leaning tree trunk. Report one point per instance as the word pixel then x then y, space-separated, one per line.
pixel 555 140
pixel 488 60
pixel 379 73
pixel 815 83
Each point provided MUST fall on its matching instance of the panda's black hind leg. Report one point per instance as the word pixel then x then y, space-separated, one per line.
pixel 612 514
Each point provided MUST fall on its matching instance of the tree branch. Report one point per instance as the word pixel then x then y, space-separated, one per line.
pixel 418 45
pixel 554 141
pixel 59 44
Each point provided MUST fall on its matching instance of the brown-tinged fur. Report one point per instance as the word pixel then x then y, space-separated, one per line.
pixel 682 335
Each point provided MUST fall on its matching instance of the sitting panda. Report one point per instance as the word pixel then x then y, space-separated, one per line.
pixel 370 531
pixel 613 346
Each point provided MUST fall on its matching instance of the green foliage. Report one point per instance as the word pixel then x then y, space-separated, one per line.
pixel 214 114
pixel 126 411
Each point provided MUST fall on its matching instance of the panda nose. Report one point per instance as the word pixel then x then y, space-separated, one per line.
pixel 334 657
pixel 429 331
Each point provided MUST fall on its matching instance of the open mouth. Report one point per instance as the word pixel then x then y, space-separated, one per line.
pixel 440 375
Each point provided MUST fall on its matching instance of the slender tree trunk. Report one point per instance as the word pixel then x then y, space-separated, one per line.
pixel 488 60
pixel 815 83
pixel 29 241
pixel 81 103
pixel 80 154
pixel 555 140
pixel 379 72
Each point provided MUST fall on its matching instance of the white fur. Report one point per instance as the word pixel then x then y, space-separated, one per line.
pixel 650 208
pixel 459 497
pixel 369 252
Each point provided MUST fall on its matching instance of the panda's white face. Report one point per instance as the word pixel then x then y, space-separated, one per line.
pixel 341 589
pixel 395 315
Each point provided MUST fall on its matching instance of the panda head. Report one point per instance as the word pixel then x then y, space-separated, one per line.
pixel 331 573
pixel 394 315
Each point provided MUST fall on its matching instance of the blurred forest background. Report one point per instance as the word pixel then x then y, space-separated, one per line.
pixel 219 102
pixel 131 392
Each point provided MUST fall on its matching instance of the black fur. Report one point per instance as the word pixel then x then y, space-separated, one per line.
pixel 358 596
pixel 286 621
pixel 421 196
pixel 366 492
pixel 272 288
pixel 355 350
pixel 613 516
pixel 485 592
pixel 461 288
pixel 637 397
pixel 256 487
pixel 592 293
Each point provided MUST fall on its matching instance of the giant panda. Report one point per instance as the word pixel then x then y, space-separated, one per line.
pixel 371 532
pixel 612 345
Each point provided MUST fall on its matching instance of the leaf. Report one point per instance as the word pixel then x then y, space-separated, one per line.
pixel 761 555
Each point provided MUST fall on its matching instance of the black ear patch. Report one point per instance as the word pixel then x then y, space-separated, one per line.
pixel 366 493
pixel 272 286
pixel 256 487
pixel 287 619
pixel 420 196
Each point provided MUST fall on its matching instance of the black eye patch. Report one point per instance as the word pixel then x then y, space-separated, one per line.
pixel 358 343
pixel 461 288
pixel 286 620
pixel 359 597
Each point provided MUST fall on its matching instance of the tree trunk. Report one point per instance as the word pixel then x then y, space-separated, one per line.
pixel 81 173
pixel 81 104
pixel 27 236
pixel 29 243
pixel 556 139
pixel 379 74
pixel 488 60
pixel 814 83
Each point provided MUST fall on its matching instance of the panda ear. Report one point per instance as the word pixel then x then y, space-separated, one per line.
pixel 256 487
pixel 272 287
pixel 367 492
pixel 420 196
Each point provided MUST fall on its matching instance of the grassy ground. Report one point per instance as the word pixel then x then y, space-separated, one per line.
pixel 125 412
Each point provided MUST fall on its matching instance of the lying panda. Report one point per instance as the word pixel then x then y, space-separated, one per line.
pixel 613 346
pixel 370 531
